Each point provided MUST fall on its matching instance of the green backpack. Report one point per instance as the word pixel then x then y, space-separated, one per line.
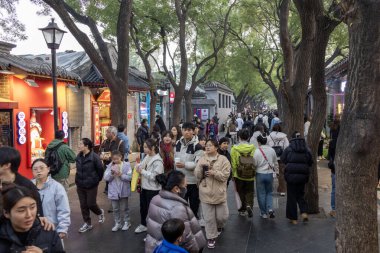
pixel 246 168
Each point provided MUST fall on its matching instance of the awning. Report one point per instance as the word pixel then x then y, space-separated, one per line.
pixel 8 104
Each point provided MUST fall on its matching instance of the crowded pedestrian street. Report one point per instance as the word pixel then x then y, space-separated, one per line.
pixel 241 235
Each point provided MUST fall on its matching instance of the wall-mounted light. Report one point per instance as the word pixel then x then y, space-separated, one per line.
pixel 72 87
pixel 31 83
pixel 6 72
pixel 343 85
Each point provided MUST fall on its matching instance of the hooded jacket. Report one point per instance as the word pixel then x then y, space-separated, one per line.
pixel 167 247
pixel 55 204
pixel 189 153
pixel 167 205
pixel 37 236
pixel 278 139
pixel 236 150
pixel 151 167
pixel 66 156
pixel 89 170
pixel 212 189
pixel 297 159
pixel 119 187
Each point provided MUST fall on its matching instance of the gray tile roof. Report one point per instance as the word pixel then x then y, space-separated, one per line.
pixel 81 64
pixel 216 84
pixel 33 66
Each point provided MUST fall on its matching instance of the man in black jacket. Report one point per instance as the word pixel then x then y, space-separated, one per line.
pixel 297 159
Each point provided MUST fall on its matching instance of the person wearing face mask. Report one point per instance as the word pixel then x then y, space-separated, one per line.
pixel 169 204
pixel 212 172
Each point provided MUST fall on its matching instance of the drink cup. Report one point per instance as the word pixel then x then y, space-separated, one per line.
pixel 177 160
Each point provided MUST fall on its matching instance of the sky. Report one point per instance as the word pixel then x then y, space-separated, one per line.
pixel 35 43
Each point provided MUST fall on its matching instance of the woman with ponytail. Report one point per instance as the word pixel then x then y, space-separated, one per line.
pixel 150 167
pixel 169 204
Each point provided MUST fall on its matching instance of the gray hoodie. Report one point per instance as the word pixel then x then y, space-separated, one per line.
pixel 189 154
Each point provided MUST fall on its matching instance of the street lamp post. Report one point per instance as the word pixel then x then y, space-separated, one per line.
pixel 53 37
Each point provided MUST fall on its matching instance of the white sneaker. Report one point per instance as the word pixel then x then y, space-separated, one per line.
pixel 264 216
pixel 140 229
pixel 126 226
pixel 202 223
pixel 102 218
pixel 282 194
pixel 85 228
pixel 116 227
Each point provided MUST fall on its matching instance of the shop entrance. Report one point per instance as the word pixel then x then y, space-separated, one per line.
pixel 6 128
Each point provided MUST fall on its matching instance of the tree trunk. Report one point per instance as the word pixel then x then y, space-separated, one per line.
pixel 119 96
pixel 153 102
pixel 325 26
pixel 358 145
pixel 189 107
pixel 177 105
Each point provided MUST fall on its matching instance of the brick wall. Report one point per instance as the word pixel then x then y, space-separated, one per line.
pixel 5 87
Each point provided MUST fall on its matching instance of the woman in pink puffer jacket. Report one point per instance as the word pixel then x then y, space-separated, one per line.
pixel 168 204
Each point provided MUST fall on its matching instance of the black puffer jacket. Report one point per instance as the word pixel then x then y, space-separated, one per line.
pixel 297 158
pixel 48 241
pixel 89 170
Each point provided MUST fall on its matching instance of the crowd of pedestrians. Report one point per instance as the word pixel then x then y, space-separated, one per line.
pixel 184 175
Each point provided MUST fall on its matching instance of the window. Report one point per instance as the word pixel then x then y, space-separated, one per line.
pixel 220 100
pixel 224 100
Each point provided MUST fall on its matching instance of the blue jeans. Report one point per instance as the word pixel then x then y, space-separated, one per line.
pixel 332 191
pixel 264 188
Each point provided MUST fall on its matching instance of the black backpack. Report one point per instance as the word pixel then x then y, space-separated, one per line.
pixel 52 159
pixel 260 120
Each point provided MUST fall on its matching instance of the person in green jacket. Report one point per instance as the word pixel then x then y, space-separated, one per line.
pixel 244 186
pixel 66 156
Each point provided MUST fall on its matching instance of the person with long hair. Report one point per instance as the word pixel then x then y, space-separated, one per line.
pixel 20 228
pixel 89 174
pixel 55 202
pixel 177 134
pixel 213 171
pixel 169 204
pixel 150 167
pixel 167 151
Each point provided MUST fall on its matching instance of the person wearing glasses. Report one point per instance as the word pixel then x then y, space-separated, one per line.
pixel 55 202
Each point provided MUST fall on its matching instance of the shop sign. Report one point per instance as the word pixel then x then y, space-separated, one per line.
pixel 171 97
pixel 96 125
pixel 21 137
pixel 65 125
pixel 204 114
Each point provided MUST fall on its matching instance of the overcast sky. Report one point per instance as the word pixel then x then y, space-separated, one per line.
pixel 35 44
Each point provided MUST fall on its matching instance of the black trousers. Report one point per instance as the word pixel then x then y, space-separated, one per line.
pixel 87 201
pixel 296 193
pixel 145 198
pixel 320 148
pixel 192 196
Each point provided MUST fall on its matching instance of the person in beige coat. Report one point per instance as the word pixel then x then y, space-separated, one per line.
pixel 212 172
